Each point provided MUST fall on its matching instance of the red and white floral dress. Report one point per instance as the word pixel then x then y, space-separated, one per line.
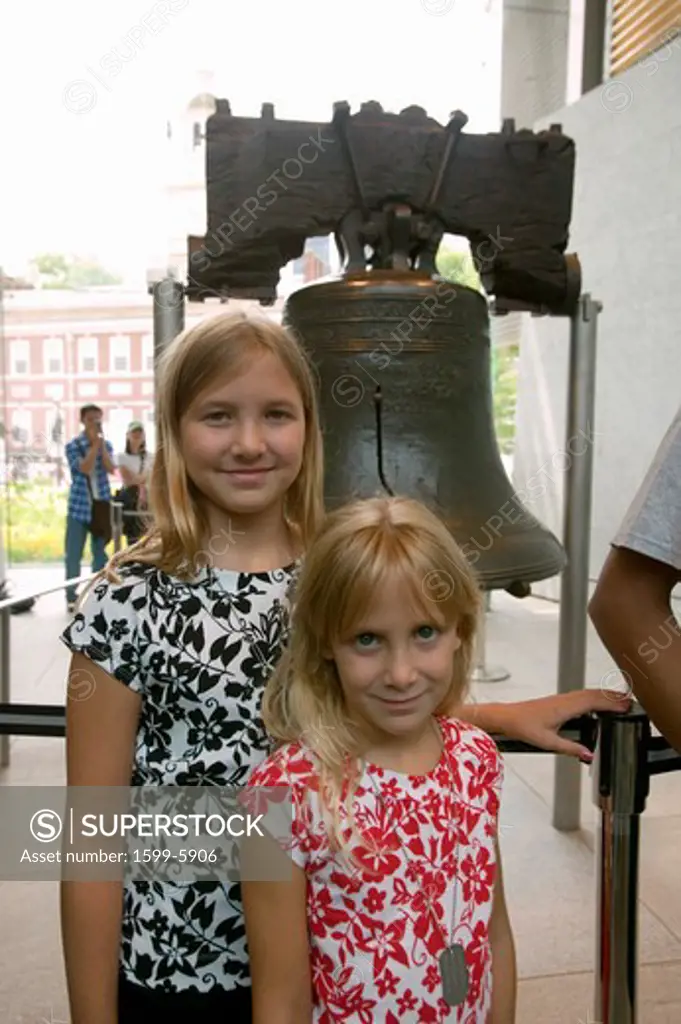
pixel 421 878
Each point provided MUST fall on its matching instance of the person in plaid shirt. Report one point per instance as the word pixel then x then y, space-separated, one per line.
pixel 91 460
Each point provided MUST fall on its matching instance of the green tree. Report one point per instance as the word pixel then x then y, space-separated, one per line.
pixel 504 390
pixel 458 267
pixel 68 272
pixel 52 264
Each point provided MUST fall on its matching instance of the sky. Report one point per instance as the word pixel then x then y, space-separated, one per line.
pixel 86 90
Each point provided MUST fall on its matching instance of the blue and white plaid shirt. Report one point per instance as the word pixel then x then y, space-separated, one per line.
pixel 79 495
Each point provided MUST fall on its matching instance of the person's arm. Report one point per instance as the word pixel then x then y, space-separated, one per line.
pixel 632 613
pixel 91 911
pixel 539 721
pixel 79 463
pixel 278 945
pixel 129 478
pixel 504 970
pixel 107 457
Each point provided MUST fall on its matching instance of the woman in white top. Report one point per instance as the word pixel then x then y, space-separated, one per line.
pixel 134 465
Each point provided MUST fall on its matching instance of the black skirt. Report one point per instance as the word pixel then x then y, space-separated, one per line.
pixel 140 1005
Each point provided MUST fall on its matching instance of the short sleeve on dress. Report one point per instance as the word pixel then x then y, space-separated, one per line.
pixel 282 769
pixel 106 629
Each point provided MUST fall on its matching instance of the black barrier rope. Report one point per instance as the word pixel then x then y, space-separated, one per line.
pixel 50 720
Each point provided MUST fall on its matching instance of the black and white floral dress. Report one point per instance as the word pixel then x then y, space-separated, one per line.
pixel 199 654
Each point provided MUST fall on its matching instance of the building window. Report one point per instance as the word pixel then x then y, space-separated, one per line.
pixel 116 426
pixel 119 347
pixel 54 391
pixel 21 425
pixel 87 355
pixel 53 349
pixel 20 357
pixel 148 353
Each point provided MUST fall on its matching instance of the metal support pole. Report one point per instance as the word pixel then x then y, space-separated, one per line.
pixel 483 673
pixel 574 590
pixel 621 782
pixel 168 297
pixel 117 524
pixel 5 627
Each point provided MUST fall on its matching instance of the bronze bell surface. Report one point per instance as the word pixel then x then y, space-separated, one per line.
pixel 403 362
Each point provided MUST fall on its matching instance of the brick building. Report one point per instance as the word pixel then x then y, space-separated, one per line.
pixel 63 349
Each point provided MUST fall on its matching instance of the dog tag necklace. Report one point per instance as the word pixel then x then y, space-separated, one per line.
pixel 453 969
pixel 452 959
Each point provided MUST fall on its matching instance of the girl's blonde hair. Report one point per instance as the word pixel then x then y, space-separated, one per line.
pixel 216 347
pixel 360 547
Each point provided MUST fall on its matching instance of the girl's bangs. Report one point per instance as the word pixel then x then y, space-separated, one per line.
pixel 390 562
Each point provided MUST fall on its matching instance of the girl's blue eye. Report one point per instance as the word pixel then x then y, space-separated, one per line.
pixel 279 414
pixel 427 632
pixel 365 639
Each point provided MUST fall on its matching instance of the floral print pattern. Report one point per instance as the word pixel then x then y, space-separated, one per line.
pixel 199 655
pixel 423 877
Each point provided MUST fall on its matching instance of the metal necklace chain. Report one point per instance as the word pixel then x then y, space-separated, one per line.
pixel 452 962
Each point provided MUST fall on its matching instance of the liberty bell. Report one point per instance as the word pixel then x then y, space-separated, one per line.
pixel 402 356
pixel 403 362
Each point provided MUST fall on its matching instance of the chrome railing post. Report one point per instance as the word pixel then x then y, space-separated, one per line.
pixel 621 782
pixel 117 524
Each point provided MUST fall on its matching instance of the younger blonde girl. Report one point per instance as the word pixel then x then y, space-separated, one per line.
pixel 396 908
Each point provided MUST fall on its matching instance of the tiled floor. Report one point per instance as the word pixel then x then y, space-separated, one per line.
pixel 550 876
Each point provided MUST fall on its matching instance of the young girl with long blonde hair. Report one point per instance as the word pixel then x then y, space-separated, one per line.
pixel 396 906
pixel 177 640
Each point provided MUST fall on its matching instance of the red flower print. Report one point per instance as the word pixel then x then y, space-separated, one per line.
pixel 401 895
pixel 387 983
pixel 471 817
pixel 349 883
pixel 374 901
pixel 477 956
pixel 322 970
pixel 385 945
pixel 416 847
pixel 406 1002
pixel 351 1001
pixel 482 778
pixel 478 871
pixel 377 855
pixel 449 775
pixel 433 980
pixel 428 1014
pixel 429 923
pixel 321 915
pixel 259 799
pixel 390 790
pixel 380 911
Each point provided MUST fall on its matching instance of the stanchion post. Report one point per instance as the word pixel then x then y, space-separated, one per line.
pixel 482 672
pixel 574 593
pixel 168 296
pixel 5 627
pixel 117 524
pixel 621 782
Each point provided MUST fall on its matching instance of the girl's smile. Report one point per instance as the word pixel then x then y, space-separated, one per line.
pixel 397 667
pixel 243 437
